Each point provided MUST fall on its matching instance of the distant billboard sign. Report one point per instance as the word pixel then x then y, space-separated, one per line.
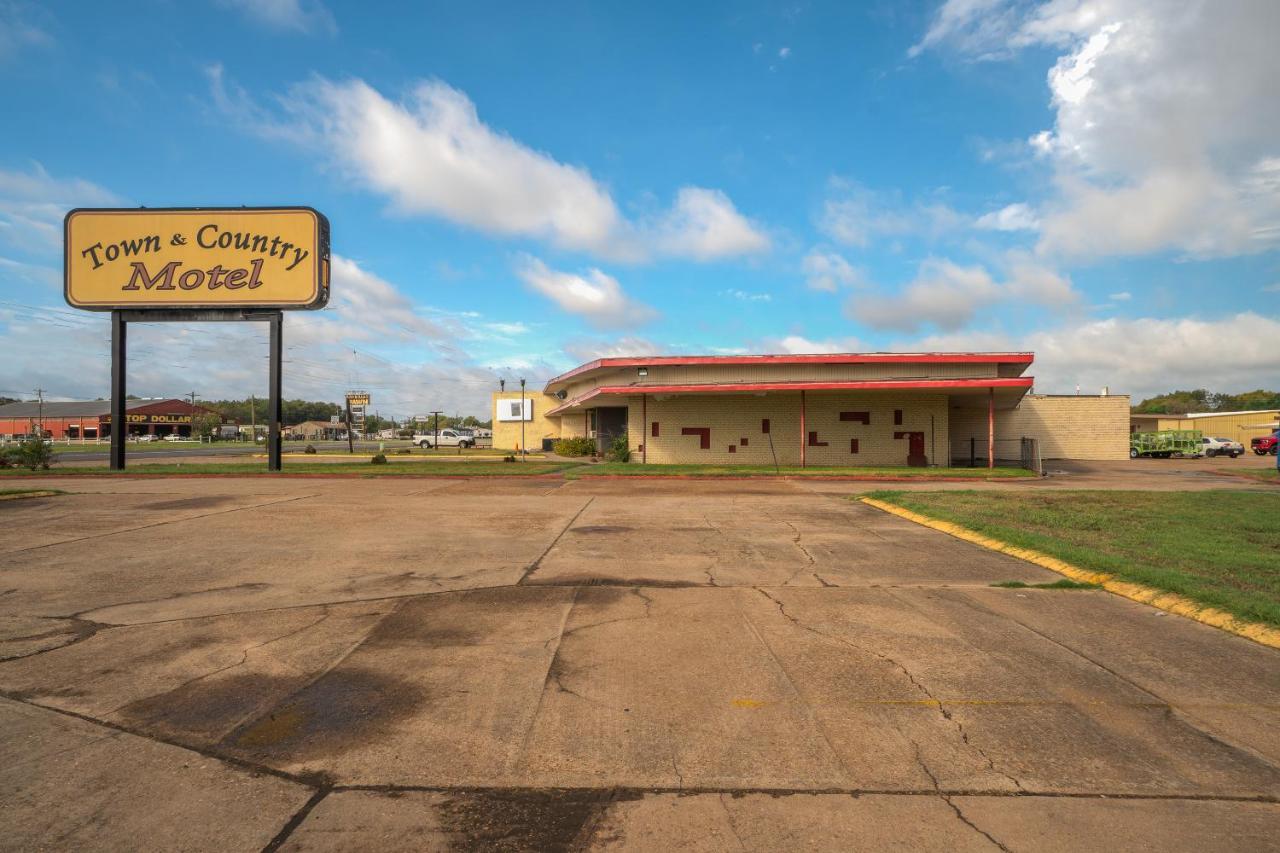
pixel 196 258
pixel 358 399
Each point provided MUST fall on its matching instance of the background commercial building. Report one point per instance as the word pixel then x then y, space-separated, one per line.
pixel 1237 426
pixel 90 419
pixel 842 409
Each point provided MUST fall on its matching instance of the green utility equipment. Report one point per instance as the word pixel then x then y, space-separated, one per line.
pixel 1166 443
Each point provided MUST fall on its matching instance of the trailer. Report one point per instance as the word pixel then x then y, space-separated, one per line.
pixel 1166 443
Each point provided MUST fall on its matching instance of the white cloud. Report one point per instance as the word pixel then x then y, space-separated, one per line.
pixel 1272 288
pixel 948 296
pixel 33 204
pixel 595 296
pixel 828 271
pixel 299 16
pixel 432 154
pixel 744 296
pixel 1166 136
pixel 853 215
pixel 799 345
pixel 784 52
pixel 1122 296
pixel 703 224
pixel 586 349
pixel 1141 357
pixel 1013 217
pixel 36 273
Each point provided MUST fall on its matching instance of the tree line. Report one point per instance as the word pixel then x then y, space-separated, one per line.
pixel 1202 400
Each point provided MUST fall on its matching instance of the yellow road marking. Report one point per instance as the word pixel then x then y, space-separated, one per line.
pixel 1166 601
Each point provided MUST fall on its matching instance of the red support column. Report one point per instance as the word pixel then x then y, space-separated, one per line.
pixel 804 436
pixel 991 428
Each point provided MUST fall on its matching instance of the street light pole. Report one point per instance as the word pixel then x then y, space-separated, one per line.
pixel 524 449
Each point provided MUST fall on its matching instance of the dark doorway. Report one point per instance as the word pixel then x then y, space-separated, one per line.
pixel 611 422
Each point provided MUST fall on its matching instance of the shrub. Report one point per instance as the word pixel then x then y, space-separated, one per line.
pixel 619 449
pixel 310 448
pixel 581 446
pixel 510 457
pixel 379 459
pixel 34 453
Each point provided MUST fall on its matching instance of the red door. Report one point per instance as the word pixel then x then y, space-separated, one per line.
pixel 915 444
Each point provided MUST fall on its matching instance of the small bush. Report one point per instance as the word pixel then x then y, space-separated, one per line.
pixel 34 453
pixel 581 446
pixel 510 457
pixel 379 459
pixel 310 448
pixel 619 449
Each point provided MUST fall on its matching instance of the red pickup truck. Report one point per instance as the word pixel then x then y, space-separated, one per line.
pixel 1264 445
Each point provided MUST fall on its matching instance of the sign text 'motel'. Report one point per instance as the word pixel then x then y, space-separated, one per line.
pixel 267 258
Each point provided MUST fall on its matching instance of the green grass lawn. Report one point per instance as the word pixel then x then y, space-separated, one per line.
pixel 419 468
pixel 176 446
pixel 632 469
pixel 14 493
pixel 1267 475
pixel 1220 548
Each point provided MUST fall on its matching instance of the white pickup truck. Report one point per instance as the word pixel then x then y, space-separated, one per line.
pixel 447 438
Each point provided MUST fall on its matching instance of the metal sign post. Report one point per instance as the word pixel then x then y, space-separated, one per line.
pixel 195 265
pixel 120 320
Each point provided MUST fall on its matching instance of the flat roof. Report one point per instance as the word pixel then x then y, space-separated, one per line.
pixel 806 358
pixel 1019 383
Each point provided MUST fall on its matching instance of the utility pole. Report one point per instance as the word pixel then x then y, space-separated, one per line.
pixel 40 416
pixel 191 430
pixel 253 419
pixel 524 451
pixel 351 442
pixel 436 418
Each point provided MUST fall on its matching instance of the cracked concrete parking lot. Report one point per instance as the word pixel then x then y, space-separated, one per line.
pixel 526 664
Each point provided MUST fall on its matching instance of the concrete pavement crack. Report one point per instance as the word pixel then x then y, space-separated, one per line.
pixel 1174 711
pixel 156 524
pixel 537 564
pixel 916 683
pixel 548 676
pixel 244 658
pixel 728 816
pixel 296 820
pixel 946 798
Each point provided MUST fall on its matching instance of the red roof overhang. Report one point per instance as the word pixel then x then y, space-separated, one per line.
pixel 1022 383
pixel 815 358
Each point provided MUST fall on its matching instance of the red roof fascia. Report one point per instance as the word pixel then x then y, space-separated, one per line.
pixel 813 358
pixel 837 385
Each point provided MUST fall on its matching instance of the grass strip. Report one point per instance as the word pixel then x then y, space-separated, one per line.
pixel 17 494
pixel 1220 549
pixel 423 468
pixel 631 469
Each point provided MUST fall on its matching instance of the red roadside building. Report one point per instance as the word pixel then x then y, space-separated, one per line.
pixel 91 419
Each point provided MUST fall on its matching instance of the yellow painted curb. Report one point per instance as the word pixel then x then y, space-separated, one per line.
pixel 1166 601
pixel 28 495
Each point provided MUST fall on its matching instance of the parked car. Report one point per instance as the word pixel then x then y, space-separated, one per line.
pixel 146 436
pixel 1221 447
pixel 1264 445
pixel 176 437
pixel 447 438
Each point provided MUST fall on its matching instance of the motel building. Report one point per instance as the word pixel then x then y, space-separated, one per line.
pixel 91 419
pixel 873 409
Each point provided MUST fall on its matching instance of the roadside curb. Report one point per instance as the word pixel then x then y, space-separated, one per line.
pixel 1166 601
pixel 40 494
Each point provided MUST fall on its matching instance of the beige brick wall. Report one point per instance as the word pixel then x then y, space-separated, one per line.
pixel 733 417
pixel 1084 427
pixel 506 434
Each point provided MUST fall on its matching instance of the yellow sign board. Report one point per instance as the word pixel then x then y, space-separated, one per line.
pixel 357 399
pixel 235 257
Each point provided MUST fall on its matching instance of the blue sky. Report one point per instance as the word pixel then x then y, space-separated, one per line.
pixel 515 190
